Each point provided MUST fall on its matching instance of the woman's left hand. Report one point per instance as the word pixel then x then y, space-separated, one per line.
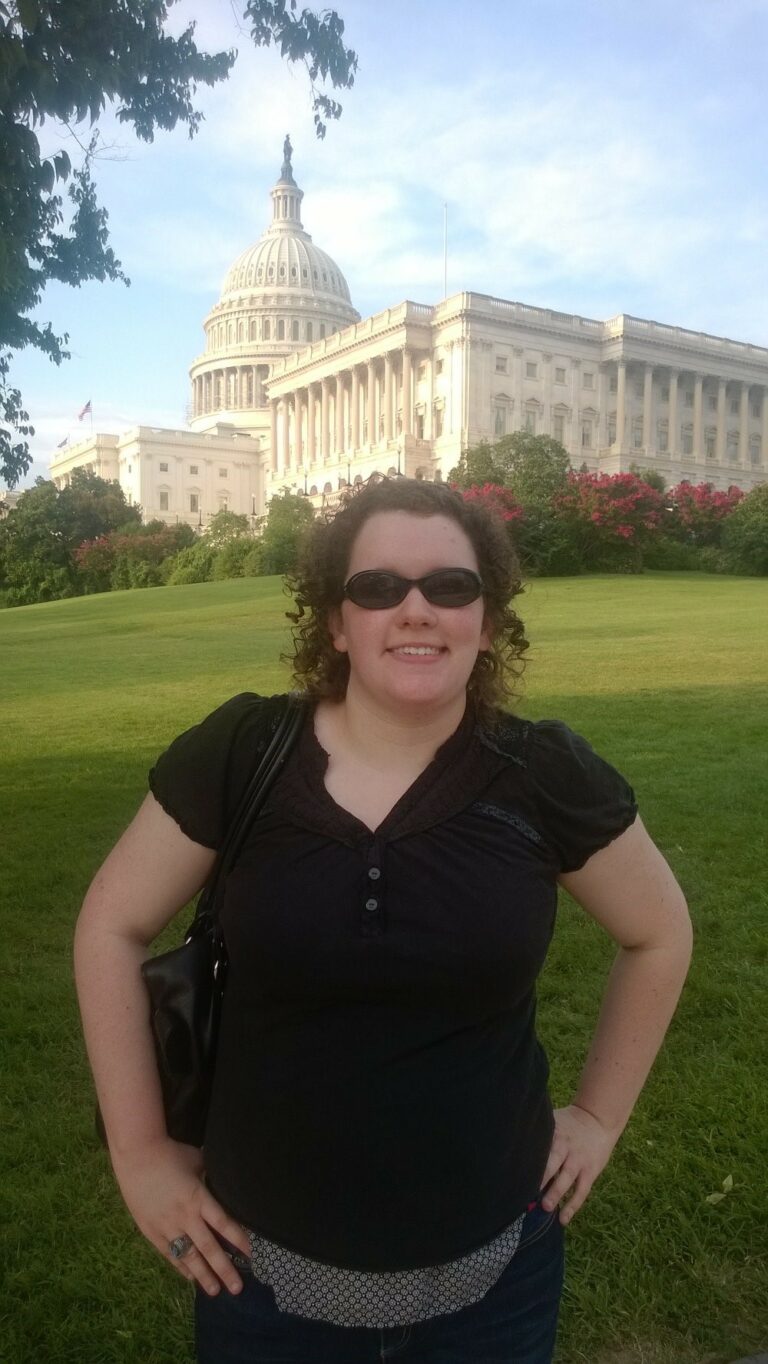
pixel 580 1151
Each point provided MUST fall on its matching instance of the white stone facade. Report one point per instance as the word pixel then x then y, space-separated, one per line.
pixel 174 476
pixel 294 391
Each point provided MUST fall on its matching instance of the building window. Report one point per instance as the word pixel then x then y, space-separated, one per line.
pixel 588 379
pixel 688 397
pixel 222 473
pixel 530 421
pixel 281 330
pixel 712 402
pixel 733 445
pixel 586 434
pixel 559 376
pixel 163 468
pixel 501 364
pixel 193 468
pixel 614 384
pixel 163 501
pixel 437 422
pixel 500 422
pixel 734 407
pixel 531 369
pixel 637 433
pixel 638 390
pixel 710 442
pixel 754 449
pixel 322 331
pixel 611 428
pixel 130 468
pixel 438 367
pixel 559 427
pixel 194 502
pixel 662 437
pixel 309 331
pixel 265 329
pixel 756 410
pixel 294 330
pixel 687 440
pixel 665 393
pixel 421 370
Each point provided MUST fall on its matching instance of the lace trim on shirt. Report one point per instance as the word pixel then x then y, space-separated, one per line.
pixel 380 1298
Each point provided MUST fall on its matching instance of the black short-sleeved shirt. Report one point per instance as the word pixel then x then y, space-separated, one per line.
pixel 381 1099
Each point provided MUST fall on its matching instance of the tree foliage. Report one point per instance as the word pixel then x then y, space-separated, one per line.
pixel 38 538
pixel 287 517
pixel 65 61
pixel 745 533
pixel 534 467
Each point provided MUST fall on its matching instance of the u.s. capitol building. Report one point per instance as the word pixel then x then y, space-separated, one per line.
pixel 294 390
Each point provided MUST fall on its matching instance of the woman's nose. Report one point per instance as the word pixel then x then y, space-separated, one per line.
pixel 416 607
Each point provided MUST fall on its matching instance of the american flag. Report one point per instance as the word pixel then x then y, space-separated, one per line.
pixel 84 411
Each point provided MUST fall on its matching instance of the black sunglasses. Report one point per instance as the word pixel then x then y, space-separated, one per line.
pixel 375 590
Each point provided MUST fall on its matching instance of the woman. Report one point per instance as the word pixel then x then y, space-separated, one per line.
pixel 382 1173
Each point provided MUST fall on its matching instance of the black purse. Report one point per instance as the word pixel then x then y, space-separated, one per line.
pixel 186 985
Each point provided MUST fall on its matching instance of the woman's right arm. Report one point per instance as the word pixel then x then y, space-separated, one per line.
pixel 151 873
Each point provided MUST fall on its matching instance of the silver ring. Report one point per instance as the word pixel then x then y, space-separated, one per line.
pixel 180 1246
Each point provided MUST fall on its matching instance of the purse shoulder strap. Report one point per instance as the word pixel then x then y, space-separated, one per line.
pixel 272 759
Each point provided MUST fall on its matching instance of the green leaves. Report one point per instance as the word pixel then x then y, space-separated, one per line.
pixel 65 61
pixel 715 1198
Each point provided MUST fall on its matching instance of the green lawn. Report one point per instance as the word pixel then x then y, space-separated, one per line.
pixel 666 675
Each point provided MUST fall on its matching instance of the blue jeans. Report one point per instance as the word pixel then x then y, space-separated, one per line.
pixel 515 1323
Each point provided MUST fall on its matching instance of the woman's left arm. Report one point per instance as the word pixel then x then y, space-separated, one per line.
pixel 629 889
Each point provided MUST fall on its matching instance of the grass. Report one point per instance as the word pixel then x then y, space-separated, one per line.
pixel 666 675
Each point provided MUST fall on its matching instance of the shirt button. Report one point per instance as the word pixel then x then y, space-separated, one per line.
pixel 374 873
pixel 371 904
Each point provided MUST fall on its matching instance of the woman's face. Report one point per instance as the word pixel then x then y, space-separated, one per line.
pixel 414 654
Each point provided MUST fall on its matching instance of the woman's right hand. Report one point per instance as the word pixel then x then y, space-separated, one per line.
pixel 162 1185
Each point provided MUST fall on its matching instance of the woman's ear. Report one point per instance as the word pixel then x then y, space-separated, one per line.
pixel 486 637
pixel 336 630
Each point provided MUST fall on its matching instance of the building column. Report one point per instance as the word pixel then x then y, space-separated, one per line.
pixel 355 423
pixel 311 452
pixel 429 402
pixel 621 402
pixel 744 427
pixel 302 423
pixel 698 429
pixel 575 409
pixel 371 403
pixel 546 423
pixel 273 460
pixel 673 437
pixel 407 395
pixel 285 450
pixel 648 438
pixel 324 451
pixel 721 421
pixel 340 442
pixel 764 442
pixel 387 397
pixel 517 387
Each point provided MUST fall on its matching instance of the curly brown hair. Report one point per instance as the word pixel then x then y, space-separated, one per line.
pixel 318 586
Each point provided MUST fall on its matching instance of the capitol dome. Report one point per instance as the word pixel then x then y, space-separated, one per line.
pixel 279 296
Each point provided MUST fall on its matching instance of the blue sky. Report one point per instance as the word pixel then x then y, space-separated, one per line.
pixel 596 157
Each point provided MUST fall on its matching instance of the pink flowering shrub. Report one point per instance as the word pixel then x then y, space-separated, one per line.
pixel 615 515
pixel 696 512
pixel 496 498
